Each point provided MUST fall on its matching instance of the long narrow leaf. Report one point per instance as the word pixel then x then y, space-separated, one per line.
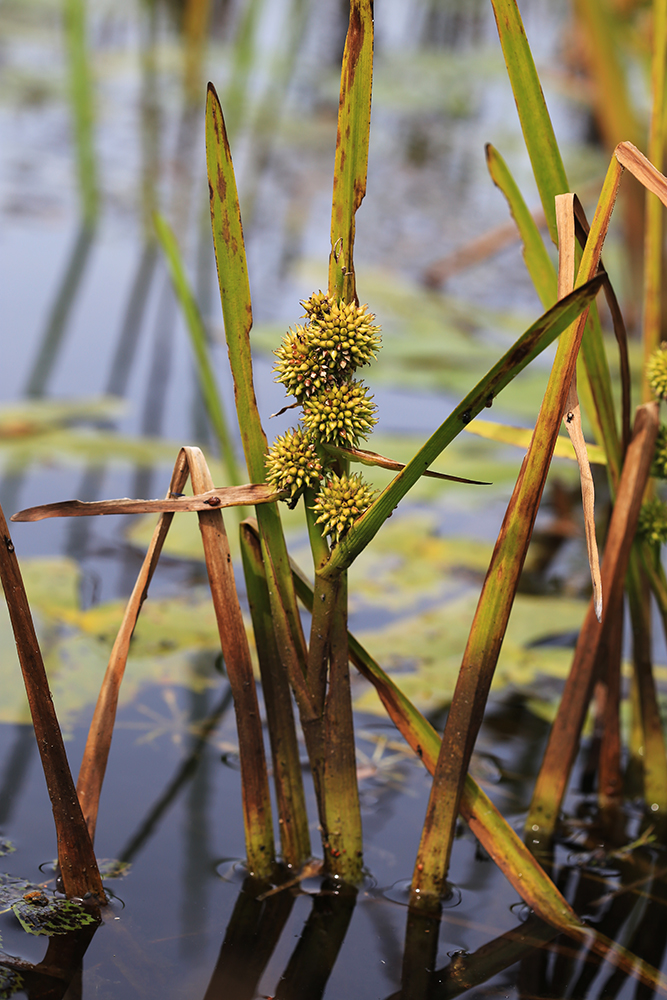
pixel 538 262
pixel 652 311
pixel 354 119
pixel 526 348
pixel 237 312
pixel 234 643
pixel 497 597
pixel 233 279
pixel 100 733
pixel 536 124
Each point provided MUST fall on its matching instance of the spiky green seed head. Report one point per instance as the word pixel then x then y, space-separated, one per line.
pixel 292 463
pixel 656 372
pixel 342 334
pixel 341 415
pixel 340 502
pixel 317 306
pixel 659 466
pixel 652 524
pixel 299 368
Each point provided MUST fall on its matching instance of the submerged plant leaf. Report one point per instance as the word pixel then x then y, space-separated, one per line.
pixel 76 644
pixel 11 982
pixel 520 436
pixel 113 868
pixel 426 648
pixel 41 914
pixel 90 445
pixel 19 420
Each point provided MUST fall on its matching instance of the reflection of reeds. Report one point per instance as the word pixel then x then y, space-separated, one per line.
pixel 81 97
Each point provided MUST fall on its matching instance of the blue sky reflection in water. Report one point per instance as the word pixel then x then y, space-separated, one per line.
pixel 171 803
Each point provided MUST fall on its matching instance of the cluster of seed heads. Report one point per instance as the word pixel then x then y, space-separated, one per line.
pixel 340 502
pixel 316 364
pixel 299 369
pixel 338 338
pixel 652 525
pixel 656 372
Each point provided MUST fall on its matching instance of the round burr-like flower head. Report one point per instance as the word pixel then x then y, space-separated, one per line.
pixel 340 502
pixel 292 463
pixel 342 334
pixel 652 525
pixel 656 372
pixel 299 368
pixel 341 415
pixel 659 466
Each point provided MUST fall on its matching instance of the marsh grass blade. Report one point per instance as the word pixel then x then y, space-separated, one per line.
pixel 564 738
pixel 351 163
pixel 236 652
pixel 100 733
pixel 535 339
pixel 496 600
pixel 287 776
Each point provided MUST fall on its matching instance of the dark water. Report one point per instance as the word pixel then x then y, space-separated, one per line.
pixel 171 803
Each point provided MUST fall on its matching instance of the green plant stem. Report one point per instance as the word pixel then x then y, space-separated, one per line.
pixel 199 341
pixel 293 818
pixel 551 181
pixel 536 124
pixel 653 228
pixel 342 836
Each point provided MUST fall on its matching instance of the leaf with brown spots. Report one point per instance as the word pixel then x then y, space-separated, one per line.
pixel 351 165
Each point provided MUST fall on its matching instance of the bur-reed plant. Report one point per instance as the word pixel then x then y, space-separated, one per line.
pixel 318 364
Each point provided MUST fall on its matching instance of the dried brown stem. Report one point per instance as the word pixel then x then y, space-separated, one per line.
pixel 236 652
pixel 564 739
pixel 98 743
pixel 77 862
pixel 228 496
